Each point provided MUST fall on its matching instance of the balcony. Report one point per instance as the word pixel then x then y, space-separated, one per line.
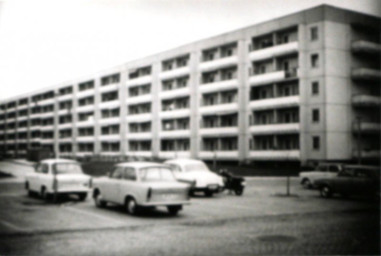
pixel 46 140
pixel 368 127
pixel 65 125
pixel 46 102
pixel 111 120
pixel 144 117
pixel 85 93
pixel 139 81
pixel 275 129
pixel 219 131
pixel 366 101
pixel 219 109
pixel 109 87
pixel 174 154
pixel 185 91
pixel 22 129
pixel 86 108
pixel 267 77
pixel 221 155
pixel 274 51
pixel 219 86
pixel 139 99
pixel 90 138
pixel 367 153
pixel 362 46
pixel 283 102
pixel 109 104
pixel 174 73
pixel 110 137
pixel 46 114
pixel 366 74
pixel 22 118
pixel 65 97
pixel 139 153
pixel 277 155
pixel 139 136
pixel 175 134
pixel 89 122
pixel 177 113
pixel 66 139
pixel 218 63
pixel 47 127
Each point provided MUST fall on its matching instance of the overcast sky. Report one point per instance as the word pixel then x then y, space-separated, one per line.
pixel 45 42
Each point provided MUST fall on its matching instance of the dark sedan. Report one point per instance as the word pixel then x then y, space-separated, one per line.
pixel 353 180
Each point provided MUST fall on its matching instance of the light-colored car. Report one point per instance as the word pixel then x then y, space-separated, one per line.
pixel 196 172
pixel 141 185
pixel 323 170
pixel 58 176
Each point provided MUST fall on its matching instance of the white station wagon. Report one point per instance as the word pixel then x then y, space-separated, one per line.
pixel 198 174
pixel 60 176
pixel 141 185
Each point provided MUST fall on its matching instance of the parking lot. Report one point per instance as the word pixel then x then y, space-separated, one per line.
pixel 262 221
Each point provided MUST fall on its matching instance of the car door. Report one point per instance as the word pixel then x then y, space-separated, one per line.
pixel 36 181
pixel 46 177
pixel 110 187
pixel 128 186
pixel 343 183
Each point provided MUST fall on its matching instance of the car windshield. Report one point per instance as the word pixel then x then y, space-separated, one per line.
pixel 156 174
pixel 67 168
pixel 196 167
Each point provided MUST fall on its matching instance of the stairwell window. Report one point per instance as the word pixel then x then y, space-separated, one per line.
pixel 315 142
pixel 315 60
pixel 314 33
pixel 315 88
pixel 315 116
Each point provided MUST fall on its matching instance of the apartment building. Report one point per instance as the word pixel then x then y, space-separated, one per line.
pixel 296 89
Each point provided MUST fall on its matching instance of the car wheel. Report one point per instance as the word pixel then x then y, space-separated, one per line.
pixel 238 191
pixel 173 210
pixel 99 202
pixel 326 192
pixel 307 184
pixel 44 195
pixel 208 193
pixel 82 196
pixel 131 206
pixel 30 193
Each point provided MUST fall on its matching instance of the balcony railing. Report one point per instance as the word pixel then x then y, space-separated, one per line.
pixel 366 100
pixel 274 51
pixel 366 74
pixel 366 47
pixel 290 155
pixel 275 129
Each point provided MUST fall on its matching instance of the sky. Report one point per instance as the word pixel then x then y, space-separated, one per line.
pixel 47 42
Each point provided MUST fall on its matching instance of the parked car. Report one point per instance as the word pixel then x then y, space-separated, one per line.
pixel 196 173
pixel 58 176
pixel 323 170
pixel 352 180
pixel 137 185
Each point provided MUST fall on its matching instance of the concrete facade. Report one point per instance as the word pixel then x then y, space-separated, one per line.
pixel 300 88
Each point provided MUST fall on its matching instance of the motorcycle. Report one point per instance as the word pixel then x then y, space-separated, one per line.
pixel 232 182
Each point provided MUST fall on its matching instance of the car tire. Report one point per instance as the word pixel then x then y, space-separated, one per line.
pixel 99 202
pixel 44 195
pixel 131 206
pixel 306 183
pixel 82 196
pixel 173 210
pixel 208 193
pixel 326 191
pixel 30 193
pixel 238 191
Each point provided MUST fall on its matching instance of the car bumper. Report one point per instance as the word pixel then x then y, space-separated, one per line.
pixel 152 204
pixel 72 191
pixel 214 189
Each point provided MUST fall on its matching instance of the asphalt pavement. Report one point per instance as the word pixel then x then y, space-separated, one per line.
pixel 263 221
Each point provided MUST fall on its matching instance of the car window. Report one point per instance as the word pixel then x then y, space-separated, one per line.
pixel 156 174
pixel 67 168
pixel 117 173
pixel 175 167
pixel 130 173
pixel 346 173
pixel 196 167
pixel 322 168
pixel 42 168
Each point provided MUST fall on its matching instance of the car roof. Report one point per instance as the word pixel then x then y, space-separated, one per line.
pixel 183 161
pixel 57 160
pixel 139 164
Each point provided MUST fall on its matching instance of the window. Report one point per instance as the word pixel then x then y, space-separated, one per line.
pixel 315 115
pixel 314 60
pixel 314 33
pixel 315 88
pixel 112 79
pixel 316 142
pixel 130 173
pixel 117 173
pixel 86 86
